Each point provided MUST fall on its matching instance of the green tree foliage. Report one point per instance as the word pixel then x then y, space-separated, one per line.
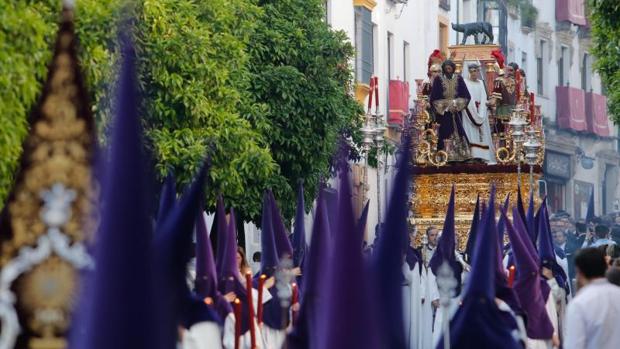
pixel 301 78
pixel 263 86
pixel 604 15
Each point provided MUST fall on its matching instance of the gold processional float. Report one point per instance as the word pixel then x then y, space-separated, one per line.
pixel 519 147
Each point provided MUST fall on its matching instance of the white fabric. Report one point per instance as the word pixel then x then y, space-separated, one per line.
pixel 203 335
pixel 428 292
pixel 412 305
pixel 480 140
pixel 593 317
pixel 439 318
pixel 246 339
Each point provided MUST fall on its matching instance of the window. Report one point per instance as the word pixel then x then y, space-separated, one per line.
pixel 524 61
pixel 540 83
pixel 586 73
pixel 555 195
pixel 563 67
pixel 390 55
pixel 405 61
pixel 364 58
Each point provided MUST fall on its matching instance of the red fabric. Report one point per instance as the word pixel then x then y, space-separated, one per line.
pixel 399 102
pixel 571 108
pixel 499 57
pixel 570 10
pixel 435 57
pixel 596 110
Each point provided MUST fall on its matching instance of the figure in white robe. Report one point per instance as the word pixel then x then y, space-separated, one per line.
pixel 475 121
pixel 412 304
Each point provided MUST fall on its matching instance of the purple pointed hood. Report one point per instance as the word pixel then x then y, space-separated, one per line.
pixel 347 322
pixel 220 233
pixel 167 197
pixel 520 206
pixel 527 281
pixel 473 230
pixel 283 243
pixel 121 312
pixel 299 231
pixel 206 276
pixel 312 309
pixel 230 269
pixel 172 247
pixel 501 225
pixel 546 250
pixel 446 246
pixel 269 256
pixel 478 322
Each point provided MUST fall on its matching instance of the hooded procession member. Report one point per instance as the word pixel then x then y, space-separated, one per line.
pixel 527 284
pixel 446 253
pixel 478 322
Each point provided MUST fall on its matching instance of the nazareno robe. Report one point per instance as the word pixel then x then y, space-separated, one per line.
pixel 450 94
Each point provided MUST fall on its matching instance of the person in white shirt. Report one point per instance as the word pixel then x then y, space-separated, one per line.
pixel 593 315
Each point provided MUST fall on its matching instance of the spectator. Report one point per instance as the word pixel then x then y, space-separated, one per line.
pixel 601 236
pixel 594 313
pixel 615 233
pixel 612 252
pixel 613 273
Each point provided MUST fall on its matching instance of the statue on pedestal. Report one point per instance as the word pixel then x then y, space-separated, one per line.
pixel 504 97
pixel 473 29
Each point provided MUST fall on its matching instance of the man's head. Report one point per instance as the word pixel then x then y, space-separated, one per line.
pixel 589 265
pixel 559 237
pixel 431 235
pixel 434 71
pixel 509 71
pixel 474 71
pixel 448 67
pixel 256 257
pixel 581 228
pixel 601 231
pixel 514 66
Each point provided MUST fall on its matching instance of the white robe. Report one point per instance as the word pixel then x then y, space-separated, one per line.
pixel 203 335
pixel 479 137
pixel 428 294
pixel 412 305
pixel 246 339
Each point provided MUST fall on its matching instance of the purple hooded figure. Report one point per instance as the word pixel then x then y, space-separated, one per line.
pixel 388 258
pixel 446 247
pixel 206 276
pixel 220 233
pixel 546 250
pixel 473 230
pixel 527 283
pixel 120 312
pixel 167 197
pixel 478 323
pixel 283 244
pixel 273 315
pixel 348 318
pixel 299 230
pixel 312 308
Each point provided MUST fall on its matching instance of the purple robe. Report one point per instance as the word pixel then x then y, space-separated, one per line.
pixel 444 93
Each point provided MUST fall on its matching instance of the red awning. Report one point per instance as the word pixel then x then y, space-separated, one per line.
pixel 399 102
pixel 571 108
pixel 570 10
pixel 596 110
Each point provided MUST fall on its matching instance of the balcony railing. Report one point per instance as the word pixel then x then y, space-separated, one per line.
pixel 596 114
pixel 571 108
pixel 570 10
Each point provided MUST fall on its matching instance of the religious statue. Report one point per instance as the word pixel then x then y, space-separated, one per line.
pixel 504 98
pixel 473 29
pixel 449 96
pixel 434 70
pixel 476 122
